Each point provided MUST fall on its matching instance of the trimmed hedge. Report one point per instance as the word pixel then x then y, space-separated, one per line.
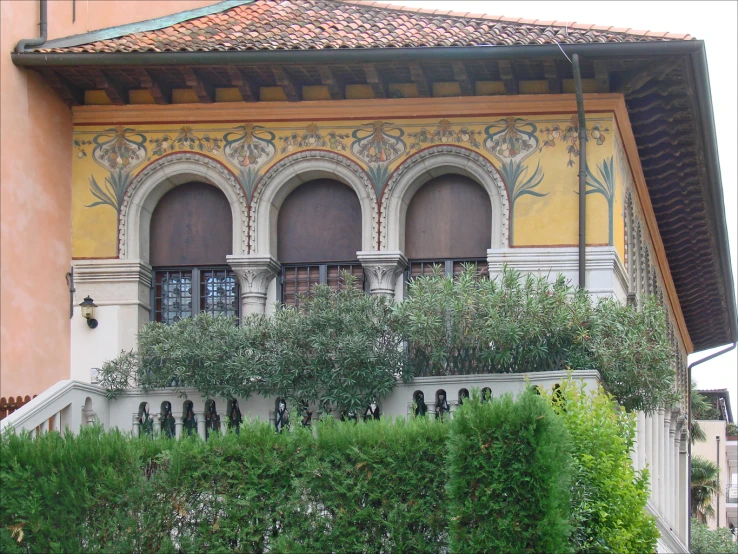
pixel 378 486
pixel 509 471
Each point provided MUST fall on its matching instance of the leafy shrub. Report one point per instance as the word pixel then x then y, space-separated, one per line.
pixel 608 497
pixel 514 325
pixel 731 430
pixel 711 541
pixel 339 350
pixel 508 477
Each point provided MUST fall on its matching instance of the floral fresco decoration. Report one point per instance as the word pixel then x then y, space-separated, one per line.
pixel 443 133
pixel 249 147
pixel 512 140
pixel 378 144
pixel 569 136
pixel 312 137
pixel 604 183
pixel 119 150
pixel 186 139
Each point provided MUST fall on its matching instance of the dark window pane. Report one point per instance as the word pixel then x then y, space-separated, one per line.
pixel 173 295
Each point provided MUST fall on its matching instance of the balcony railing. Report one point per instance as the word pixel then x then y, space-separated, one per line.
pixel 731 494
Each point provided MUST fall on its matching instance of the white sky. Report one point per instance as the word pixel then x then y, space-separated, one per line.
pixel 714 22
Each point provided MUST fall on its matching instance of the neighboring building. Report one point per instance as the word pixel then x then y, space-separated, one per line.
pixel 225 159
pixel 721 447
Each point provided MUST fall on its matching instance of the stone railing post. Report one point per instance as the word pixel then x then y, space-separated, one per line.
pixel 178 424
pixel 382 269
pixel 254 275
pixel 136 425
pixel 200 416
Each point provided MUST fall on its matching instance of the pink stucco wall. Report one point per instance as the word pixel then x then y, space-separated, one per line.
pixel 35 191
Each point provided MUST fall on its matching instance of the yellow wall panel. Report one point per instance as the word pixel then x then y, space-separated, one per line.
pixel 535 155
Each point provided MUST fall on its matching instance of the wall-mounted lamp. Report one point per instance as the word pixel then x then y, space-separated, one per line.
pixel 88 311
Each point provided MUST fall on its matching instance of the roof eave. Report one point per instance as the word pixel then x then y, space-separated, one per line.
pixel 355 55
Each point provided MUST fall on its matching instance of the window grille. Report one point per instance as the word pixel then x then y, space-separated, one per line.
pixel 298 279
pixel 175 297
pixel 449 268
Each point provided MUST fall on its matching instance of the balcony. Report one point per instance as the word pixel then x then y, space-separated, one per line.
pixel 731 494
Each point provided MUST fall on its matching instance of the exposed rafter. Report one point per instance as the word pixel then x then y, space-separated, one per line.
pixel 249 91
pixel 329 80
pixel 118 95
pixel 553 76
pixel 291 90
pixel 508 77
pixel 205 91
pixel 70 93
pixel 375 79
pixel 424 85
pixel 161 93
pixel 462 77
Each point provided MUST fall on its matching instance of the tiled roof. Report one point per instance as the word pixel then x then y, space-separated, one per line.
pixel 330 24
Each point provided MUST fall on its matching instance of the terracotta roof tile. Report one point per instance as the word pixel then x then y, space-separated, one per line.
pixel 325 24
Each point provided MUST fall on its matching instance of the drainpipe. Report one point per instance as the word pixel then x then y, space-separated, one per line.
pixel 582 171
pixel 29 43
pixel 689 422
pixel 717 512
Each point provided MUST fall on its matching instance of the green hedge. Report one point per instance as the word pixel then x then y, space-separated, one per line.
pixel 509 470
pixel 378 486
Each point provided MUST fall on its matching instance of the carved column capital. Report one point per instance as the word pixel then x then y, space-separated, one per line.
pixel 254 274
pixel 382 268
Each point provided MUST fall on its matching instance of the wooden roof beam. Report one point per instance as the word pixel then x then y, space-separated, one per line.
pixel 553 76
pixel 205 91
pixel 161 93
pixel 462 77
pixel 70 93
pixel 375 79
pixel 291 90
pixel 329 80
pixel 508 77
pixel 118 95
pixel 249 91
pixel 424 85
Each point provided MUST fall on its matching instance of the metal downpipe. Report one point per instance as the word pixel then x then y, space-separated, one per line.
pixel 28 43
pixel 582 172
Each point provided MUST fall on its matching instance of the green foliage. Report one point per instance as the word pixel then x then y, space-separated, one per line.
pixel 707 541
pixel 372 487
pixel 338 350
pixel 608 497
pixel 704 484
pixel 731 430
pixel 513 325
pixel 508 477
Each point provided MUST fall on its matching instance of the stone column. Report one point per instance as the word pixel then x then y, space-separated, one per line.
pixel 200 416
pixel 641 439
pixel 178 423
pixel 56 422
pixel 254 275
pixel 659 459
pixel 382 269
pixel 682 486
pixel 648 446
pixel 665 465
pixel 655 460
pixel 156 416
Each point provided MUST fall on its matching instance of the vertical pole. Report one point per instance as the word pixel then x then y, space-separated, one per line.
pixel 582 171
pixel 717 494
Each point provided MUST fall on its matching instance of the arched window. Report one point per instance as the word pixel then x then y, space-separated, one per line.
pixel 191 235
pixel 318 235
pixel 447 224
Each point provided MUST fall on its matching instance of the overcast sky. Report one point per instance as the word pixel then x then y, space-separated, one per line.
pixel 714 22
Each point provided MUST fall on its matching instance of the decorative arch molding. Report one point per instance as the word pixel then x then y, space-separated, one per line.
pixel 289 173
pixel 158 178
pixel 434 162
